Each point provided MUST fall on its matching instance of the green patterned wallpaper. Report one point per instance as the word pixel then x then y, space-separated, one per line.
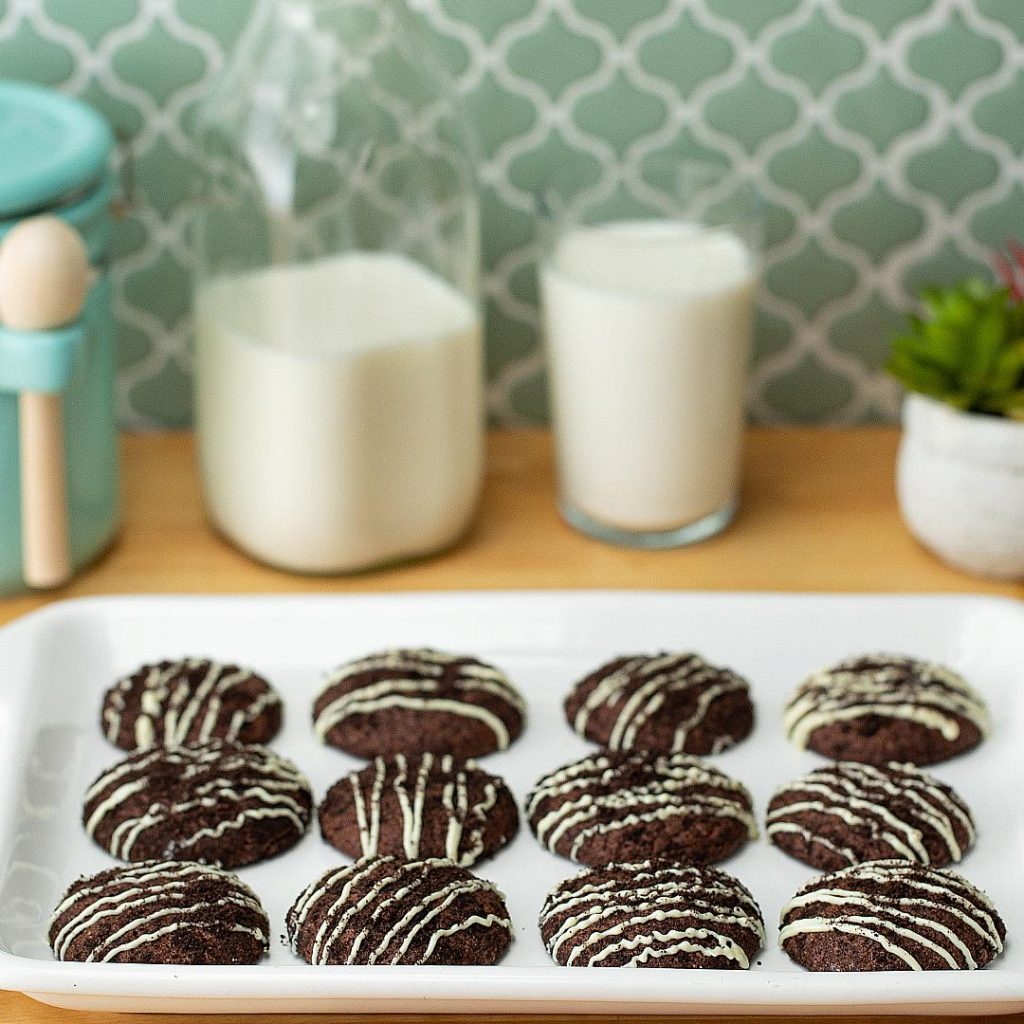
pixel 887 137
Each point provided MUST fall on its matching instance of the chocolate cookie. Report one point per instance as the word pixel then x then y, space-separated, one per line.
pixel 627 807
pixel 883 707
pixel 891 915
pixel 418 702
pixel 383 910
pixel 189 701
pixel 654 914
pixel 663 702
pixel 417 807
pixel 850 812
pixel 160 912
pixel 217 802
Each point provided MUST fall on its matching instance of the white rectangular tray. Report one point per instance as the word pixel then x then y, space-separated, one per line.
pixel 55 664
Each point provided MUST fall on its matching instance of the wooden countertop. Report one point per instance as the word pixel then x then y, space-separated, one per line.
pixel 818 514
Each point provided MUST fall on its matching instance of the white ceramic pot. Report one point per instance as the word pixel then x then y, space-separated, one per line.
pixel 960 483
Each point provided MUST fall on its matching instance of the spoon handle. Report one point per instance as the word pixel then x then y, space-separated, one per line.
pixel 45 548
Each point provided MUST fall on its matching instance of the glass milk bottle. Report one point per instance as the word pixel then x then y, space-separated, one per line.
pixel 337 321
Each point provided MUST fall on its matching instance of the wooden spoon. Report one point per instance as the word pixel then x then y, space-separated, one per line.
pixel 44 279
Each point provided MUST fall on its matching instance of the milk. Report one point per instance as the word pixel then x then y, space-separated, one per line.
pixel 648 330
pixel 339 411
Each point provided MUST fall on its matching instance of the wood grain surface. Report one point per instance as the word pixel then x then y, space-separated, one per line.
pixel 818 514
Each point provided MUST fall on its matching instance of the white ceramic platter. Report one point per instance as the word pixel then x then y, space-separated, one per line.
pixel 55 664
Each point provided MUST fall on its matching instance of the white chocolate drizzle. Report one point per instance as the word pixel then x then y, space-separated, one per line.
pixel 644 687
pixel 188 700
pixel 636 914
pixel 906 909
pixel 898 805
pixel 422 680
pixel 140 904
pixel 610 791
pixel 381 907
pixel 889 686
pixel 244 784
pixel 420 786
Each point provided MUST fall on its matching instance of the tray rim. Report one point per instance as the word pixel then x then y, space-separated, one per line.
pixel 522 990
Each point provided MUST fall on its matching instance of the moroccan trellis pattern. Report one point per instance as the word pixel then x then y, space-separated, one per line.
pixel 886 135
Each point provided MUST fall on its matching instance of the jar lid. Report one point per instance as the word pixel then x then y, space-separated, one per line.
pixel 51 146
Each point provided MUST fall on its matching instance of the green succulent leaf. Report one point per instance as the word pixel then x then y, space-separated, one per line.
pixel 1015 406
pixel 1008 369
pixel 966 350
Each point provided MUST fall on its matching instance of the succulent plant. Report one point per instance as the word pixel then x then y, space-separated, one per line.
pixel 967 350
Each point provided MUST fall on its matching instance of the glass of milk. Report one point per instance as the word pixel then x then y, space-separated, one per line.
pixel 648 283
pixel 338 352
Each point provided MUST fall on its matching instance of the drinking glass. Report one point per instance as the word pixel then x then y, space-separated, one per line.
pixel 648 282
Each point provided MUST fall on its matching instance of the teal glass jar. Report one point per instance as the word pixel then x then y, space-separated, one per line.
pixel 55 159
